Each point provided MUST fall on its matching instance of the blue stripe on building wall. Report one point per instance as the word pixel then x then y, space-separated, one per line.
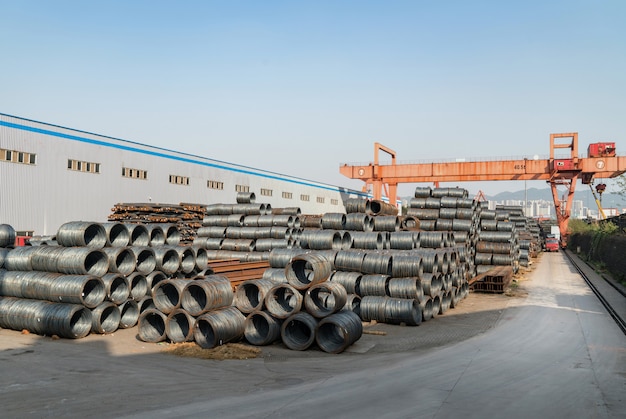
pixel 171 157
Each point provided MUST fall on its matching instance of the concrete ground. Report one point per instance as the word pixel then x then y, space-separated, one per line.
pixel 549 350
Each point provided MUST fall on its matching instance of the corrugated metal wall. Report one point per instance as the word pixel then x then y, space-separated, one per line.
pixel 43 196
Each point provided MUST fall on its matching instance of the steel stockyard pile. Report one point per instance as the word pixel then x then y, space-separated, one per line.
pixel 52 174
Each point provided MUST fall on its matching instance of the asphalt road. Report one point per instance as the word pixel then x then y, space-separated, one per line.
pixel 555 353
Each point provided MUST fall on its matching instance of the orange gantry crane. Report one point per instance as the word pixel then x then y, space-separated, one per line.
pixel 559 170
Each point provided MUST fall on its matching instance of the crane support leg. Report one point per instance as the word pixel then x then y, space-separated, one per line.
pixel 563 209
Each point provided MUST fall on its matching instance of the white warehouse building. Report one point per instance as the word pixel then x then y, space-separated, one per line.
pixel 50 175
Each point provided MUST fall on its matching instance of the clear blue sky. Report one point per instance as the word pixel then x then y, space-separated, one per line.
pixel 301 87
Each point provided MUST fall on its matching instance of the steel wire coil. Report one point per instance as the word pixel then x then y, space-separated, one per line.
pixel 87 290
pixel 117 234
pixel 407 264
pixel 467 203
pixel 349 280
pixel 266 220
pixel 121 260
pixel 321 240
pixel 358 222
pixel 250 294
pixel 45 318
pixel 82 261
pixel 219 209
pixel 443 260
pixel 483 258
pixel 333 221
pixel 447 213
pixel 261 328
pixel 238 245
pixel 432 284
pixel 377 263
pixel 44 258
pixel 431 239
pixel 461 237
pixel 462 225
pixel 252 209
pixel 311 221
pixel 356 205
pixel 423 214
pixel 280 258
pixel 298 331
pixel 179 326
pixel 20 258
pixel 427 225
pixel 7 235
pixel 349 260
pixel 386 223
pixel 146 303
pixel 446 299
pixel 129 314
pixel 391 310
pixel 432 203
pixel 187 258
pixel 498 236
pixel 378 207
pixel 430 261
pixel 219 327
pixel 353 303
pixel 278 232
pixel 82 233
pixel 138 284
pixel 116 287
pixel 276 275
pixel 139 235
pixel 443 224
pixel 464 214
pixel 265 245
pixel 156 233
pixel 505 226
pixel 153 278
pixel 151 326
pixel 284 220
pixel 436 305
pixel 282 300
pixel 423 192
pixel 201 258
pixel 410 223
pixel 367 240
pixel 408 287
pixel 105 318
pixel 3 254
pixel 373 284
pixel 488 225
pixel 208 243
pixel 247 232
pixel 418 202
pixel 454 297
pixel 502 215
pixel 337 332
pixel 294 211
pixel 426 305
pixel 167 294
pixel 324 299
pixel 211 231
pixel 203 295
pixel 502 260
pixel 167 259
pixel 493 247
pixel 245 198
pixel 448 202
pixel 172 234
pixel 306 270
pixel 402 240
pixel 455 192
pixel 235 220
pixel 214 221
pixel 487 214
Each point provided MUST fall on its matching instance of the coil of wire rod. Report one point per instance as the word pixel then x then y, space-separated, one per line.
pixel 403 240
pixel 211 231
pixel 235 220
pixel 456 192
pixel 306 270
pixel 82 261
pixel 252 209
pixel 238 245
pixel 311 221
pixel 454 297
pixel 419 203
pixel 116 287
pixel 201 257
pixel 373 284
pixel 250 294
pixel 172 234
pixel 266 220
pixel 146 303
pixel 500 259
pixel 167 259
pixel 337 332
pixel 386 223
pixel 448 202
pixel 187 258
pixel 408 222
pixel 377 263
pixel 443 260
pixel 349 280
pixel 283 300
pixel 44 317
pixel 105 318
pixel 82 233
pixel 219 327
pixel 461 237
pixel 423 214
pixel 391 310
pixel 426 305
pixel 462 225
pixel 488 225
pixel 45 258
pixel 285 220
pixel 436 305
pixel 117 234
pixel 121 259
pixel 498 236
pixel 423 192
pixel 42 241
pixel 179 326
pixel 356 205
pixel 378 207
pixel 353 303
pixel 265 245
pixel 431 239
pixel 138 284
pixel 493 247
pixel 276 275
pixel 321 239
pixel 261 328
pixel 409 287
pixel 432 284
pixel 447 213
pixel 167 294
pixel 298 331
pixel 280 258
pixel 349 260
pixel 279 232
pixel 151 326
pixel 467 203
pixel 145 259
pixel 407 264
pixel 430 261
pixel 129 314
pixel 333 221
pixel 156 233
pixel 20 258
pixel 293 211
pixel 87 290
pixel 445 302
pixel 443 224
pixel 3 254
pixel 7 235
pixel 245 198
pixel 432 203
pixel 202 295
pixel 219 209
pixel 208 243
pixel 505 226
pixel 367 240
pixel 324 299
pixel 138 233
pixel 214 221
pixel 427 225
pixel 502 215
pixel 464 214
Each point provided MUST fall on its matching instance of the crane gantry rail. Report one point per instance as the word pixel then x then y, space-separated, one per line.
pixel 600 162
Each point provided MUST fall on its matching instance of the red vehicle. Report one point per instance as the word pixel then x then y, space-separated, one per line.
pixel 552 244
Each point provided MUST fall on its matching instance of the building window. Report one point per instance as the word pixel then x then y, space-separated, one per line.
pixel 14 156
pixel 179 180
pixel 334 201
pixel 304 197
pixel 83 166
pixel 320 199
pixel 242 188
pixel 287 195
pixel 214 184
pixel 134 173
pixel 266 192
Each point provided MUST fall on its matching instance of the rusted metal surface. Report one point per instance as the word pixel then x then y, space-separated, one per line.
pixel 238 272
pixel 493 281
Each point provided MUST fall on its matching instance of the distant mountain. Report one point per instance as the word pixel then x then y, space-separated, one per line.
pixel 582 194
